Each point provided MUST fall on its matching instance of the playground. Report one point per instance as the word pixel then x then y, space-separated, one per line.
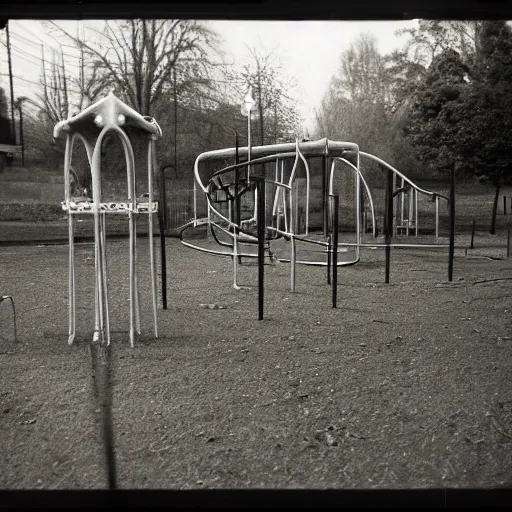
pixel 316 324
pixel 404 385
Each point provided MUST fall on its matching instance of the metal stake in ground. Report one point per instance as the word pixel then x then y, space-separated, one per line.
pixel 335 223
pixel 162 211
pixel 473 233
pixel 388 220
pixel 452 224
pixel 238 214
pixel 329 245
pixel 260 188
pixel 508 240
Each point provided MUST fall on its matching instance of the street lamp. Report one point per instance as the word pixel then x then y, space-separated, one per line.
pixel 246 111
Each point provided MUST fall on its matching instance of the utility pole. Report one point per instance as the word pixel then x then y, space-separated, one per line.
pixel 13 128
pixel 22 139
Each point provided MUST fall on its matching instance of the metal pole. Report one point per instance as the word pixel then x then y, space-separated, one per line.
pixel 161 222
pixel 329 248
pixel 452 224
pixel 260 186
pixel 324 195
pixel 416 211
pixel 508 240
pixel 238 202
pixel 437 218
pixel 335 222
pixel 248 145
pixel 473 233
pixel 13 126
pixel 388 224
pixel 175 98
pixel 22 138
pixel 504 205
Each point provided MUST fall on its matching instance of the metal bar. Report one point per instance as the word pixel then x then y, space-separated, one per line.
pixel 394 207
pixel 132 273
pixel 504 205
pixel 260 184
pixel 508 240
pixel 324 194
pixel 416 211
pixel 452 224
pixel 411 210
pixel 398 173
pixel 151 159
pixel 335 222
pixel 388 224
pixel 72 310
pixel 473 233
pixel 437 217
pixel 104 273
pixel 329 249
pixel 402 206
pixel 162 225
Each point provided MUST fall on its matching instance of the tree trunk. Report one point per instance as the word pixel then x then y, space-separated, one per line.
pixel 495 208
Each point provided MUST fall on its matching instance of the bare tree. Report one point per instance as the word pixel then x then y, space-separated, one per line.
pixel 272 93
pixel 137 57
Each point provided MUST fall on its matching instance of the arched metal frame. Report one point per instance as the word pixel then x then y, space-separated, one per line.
pixel 284 207
pixel 414 197
pixel 91 126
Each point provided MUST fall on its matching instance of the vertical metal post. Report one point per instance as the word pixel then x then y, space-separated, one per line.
pixel 162 224
pixel 329 248
pixel 473 233
pixel 22 138
pixel 238 212
pixel 175 97
pixel 394 208
pixel 504 205
pixel 324 195
pixel 388 222
pixel 508 240
pixel 260 187
pixel 437 218
pixel 416 211
pixel 358 206
pixel 335 222
pixel 402 209
pixel 452 224
pixel 13 125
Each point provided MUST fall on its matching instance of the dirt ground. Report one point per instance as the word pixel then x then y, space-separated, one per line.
pixel 405 385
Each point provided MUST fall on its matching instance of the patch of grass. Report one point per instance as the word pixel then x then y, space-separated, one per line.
pixel 30 212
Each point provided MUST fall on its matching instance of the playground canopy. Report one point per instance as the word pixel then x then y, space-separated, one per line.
pixel 108 111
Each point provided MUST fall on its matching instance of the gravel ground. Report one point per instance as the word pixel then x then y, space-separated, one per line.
pixel 405 385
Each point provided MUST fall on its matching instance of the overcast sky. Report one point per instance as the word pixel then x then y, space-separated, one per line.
pixel 309 50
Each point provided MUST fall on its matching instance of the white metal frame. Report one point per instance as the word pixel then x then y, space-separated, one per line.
pixel 91 126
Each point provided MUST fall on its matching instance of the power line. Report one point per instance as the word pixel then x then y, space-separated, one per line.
pixel 42 85
pixel 52 49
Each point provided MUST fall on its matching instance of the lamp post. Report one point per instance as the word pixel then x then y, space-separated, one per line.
pixel 246 111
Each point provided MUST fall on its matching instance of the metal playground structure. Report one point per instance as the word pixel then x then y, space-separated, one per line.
pixel 265 196
pixel 110 115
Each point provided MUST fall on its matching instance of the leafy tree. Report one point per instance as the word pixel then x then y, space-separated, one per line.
pixel 484 142
pixel 358 106
pixel 434 120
